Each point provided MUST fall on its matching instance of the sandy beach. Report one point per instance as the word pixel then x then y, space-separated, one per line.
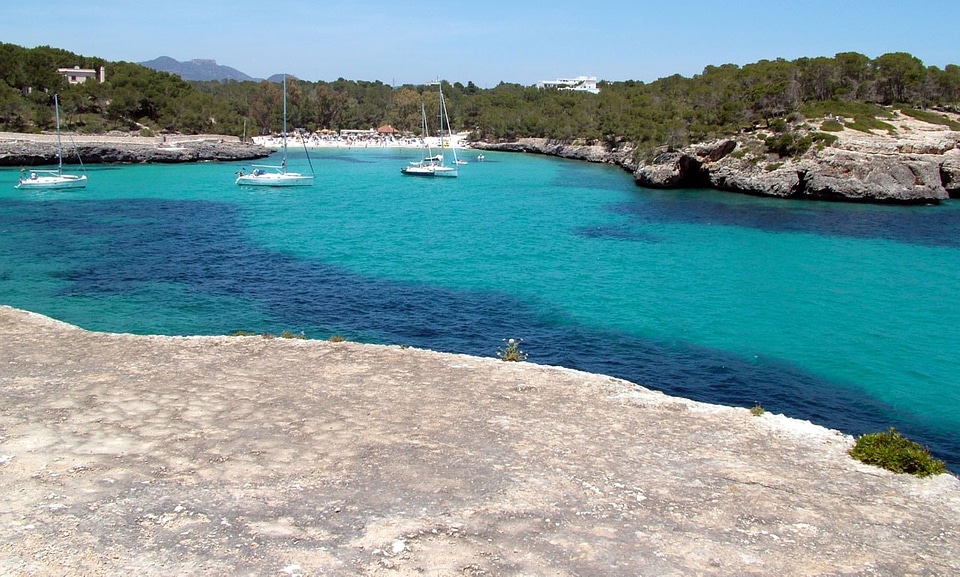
pixel 365 140
pixel 158 456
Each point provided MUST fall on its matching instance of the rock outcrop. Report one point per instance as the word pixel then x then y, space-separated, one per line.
pixel 916 163
pixel 950 175
pixel 920 163
pixel 621 156
pixel 41 149
pixel 828 174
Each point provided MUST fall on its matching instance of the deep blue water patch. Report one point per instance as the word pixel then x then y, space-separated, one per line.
pixel 118 247
pixel 919 225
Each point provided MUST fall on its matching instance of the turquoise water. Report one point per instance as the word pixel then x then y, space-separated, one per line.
pixel 841 314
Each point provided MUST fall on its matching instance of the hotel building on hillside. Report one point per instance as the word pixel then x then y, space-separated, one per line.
pixel 77 75
pixel 579 84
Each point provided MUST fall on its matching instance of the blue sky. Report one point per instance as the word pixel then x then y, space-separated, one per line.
pixel 484 41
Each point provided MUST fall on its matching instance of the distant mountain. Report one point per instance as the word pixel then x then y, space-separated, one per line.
pixel 196 69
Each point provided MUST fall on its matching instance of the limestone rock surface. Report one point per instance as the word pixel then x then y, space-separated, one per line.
pixel 158 456
pixel 41 149
pixel 917 165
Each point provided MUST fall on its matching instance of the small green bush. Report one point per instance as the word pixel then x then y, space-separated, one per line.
pixel 823 140
pixel 789 144
pixel 757 410
pixel 337 339
pixel 831 126
pixel 510 351
pixel 778 125
pixel 894 452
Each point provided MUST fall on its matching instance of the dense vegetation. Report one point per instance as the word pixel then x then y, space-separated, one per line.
pixel 675 110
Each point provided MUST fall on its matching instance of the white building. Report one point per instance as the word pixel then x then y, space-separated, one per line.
pixel 580 84
pixel 77 75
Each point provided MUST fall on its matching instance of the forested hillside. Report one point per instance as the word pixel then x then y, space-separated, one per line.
pixel 675 110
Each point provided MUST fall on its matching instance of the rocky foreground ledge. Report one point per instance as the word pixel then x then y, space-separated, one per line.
pixel 41 149
pixel 917 163
pixel 150 456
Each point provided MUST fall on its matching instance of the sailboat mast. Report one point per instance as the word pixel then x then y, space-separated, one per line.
pixel 56 108
pixel 445 117
pixel 442 112
pixel 284 124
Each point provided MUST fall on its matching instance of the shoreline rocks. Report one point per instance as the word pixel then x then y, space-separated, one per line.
pixel 916 163
pixel 41 150
pixel 622 156
pixel 830 174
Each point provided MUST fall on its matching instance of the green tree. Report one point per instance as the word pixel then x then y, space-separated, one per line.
pixel 898 75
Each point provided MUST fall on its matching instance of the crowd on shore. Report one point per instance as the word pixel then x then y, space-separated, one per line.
pixel 362 139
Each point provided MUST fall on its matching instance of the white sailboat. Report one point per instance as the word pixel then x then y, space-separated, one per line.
pixel 53 178
pixel 433 165
pixel 427 165
pixel 276 175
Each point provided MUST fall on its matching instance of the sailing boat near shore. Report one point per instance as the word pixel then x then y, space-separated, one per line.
pixel 53 178
pixel 279 176
pixel 433 165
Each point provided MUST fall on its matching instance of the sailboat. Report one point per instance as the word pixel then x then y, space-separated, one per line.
pixel 427 165
pixel 433 165
pixel 53 178
pixel 279 176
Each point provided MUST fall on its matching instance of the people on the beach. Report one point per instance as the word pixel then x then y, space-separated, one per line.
pixel 358 139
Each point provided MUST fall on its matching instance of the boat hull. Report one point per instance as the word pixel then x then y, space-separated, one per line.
pixel 437 171
pixel 268 179
pixel 416 171
pixel 57 182
pixel 446 172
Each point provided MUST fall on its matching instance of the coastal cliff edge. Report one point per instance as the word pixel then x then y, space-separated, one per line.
pixel 914 162
pixel 147 455
pixel 27 150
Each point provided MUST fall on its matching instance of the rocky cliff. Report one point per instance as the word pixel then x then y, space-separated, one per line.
pixel 622 156
pixel 914 163
pixel 41 149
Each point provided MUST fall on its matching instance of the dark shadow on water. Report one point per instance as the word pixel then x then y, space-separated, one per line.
pixel 921 225
pixel 615 233
pixel 200 247
pixel 348 159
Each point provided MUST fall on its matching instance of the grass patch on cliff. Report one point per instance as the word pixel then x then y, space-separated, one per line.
pixel 795 144
pixel 831 125
pixel 892 451
pixel 856 115
pixel 931 118
pixel 842 110
pixel 869 123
